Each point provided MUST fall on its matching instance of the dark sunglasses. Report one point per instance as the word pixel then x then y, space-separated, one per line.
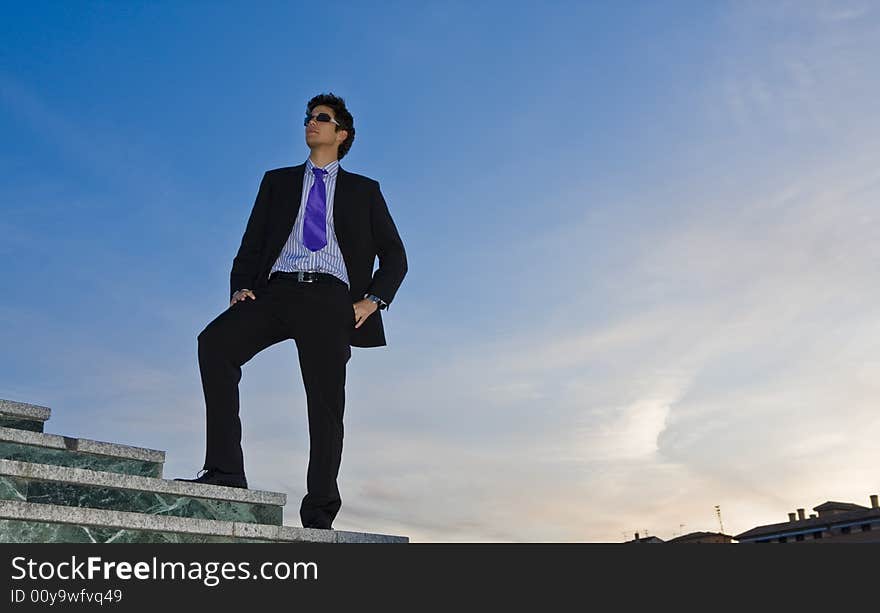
pixel 322 117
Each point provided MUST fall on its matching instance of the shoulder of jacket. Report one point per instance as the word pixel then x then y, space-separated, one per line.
pixel 283 170
pixel 362 178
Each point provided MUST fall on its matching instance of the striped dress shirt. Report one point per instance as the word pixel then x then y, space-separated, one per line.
pixel 295 255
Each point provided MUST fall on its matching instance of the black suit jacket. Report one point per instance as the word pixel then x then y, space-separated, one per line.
pixel 364 229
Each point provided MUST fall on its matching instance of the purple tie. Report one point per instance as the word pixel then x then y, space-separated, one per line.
pixel 315 225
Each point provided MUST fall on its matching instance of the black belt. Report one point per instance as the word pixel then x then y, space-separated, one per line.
pixel 306 277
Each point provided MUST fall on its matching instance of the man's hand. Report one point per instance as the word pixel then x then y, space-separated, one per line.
pixel 363 309
pixel 241 295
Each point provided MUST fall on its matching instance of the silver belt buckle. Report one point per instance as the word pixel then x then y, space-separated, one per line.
pixel 301 276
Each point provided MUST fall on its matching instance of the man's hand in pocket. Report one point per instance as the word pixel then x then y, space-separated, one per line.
pixel 362 310
pixel 241 295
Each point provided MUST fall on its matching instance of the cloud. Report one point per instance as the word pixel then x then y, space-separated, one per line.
pixel 738 371
pixel 806 82
pixel 710 340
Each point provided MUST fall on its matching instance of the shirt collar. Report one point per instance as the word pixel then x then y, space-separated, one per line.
pixel 332 168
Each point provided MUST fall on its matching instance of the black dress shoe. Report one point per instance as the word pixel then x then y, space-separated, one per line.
pixel 319 526
pixel 316 520
pixel 216 477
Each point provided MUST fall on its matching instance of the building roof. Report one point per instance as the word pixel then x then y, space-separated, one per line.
pixel 805 525
pixel 691 536
pixel 645 539
pixel 831 505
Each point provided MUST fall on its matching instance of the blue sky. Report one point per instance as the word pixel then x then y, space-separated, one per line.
pixel 641 237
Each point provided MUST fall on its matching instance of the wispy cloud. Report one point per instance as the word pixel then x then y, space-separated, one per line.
pixel 710 340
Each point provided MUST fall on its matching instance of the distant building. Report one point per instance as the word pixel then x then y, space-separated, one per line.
pixel 702 537
pixel 644 539
pixel 833 522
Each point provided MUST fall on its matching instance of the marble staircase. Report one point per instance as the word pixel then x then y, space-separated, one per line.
pixel 61 489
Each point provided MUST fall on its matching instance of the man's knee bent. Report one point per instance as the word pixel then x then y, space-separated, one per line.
pixel 210 339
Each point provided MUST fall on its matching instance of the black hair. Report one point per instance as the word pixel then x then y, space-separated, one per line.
pixel 343 116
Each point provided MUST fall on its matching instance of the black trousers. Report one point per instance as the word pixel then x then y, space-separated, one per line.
pixel 319 316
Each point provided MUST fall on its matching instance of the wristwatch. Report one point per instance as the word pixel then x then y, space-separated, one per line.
pixel 382 304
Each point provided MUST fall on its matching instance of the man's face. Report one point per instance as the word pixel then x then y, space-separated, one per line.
pixel 323 133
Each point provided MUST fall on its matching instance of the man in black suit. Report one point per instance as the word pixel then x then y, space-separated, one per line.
pixel 304 271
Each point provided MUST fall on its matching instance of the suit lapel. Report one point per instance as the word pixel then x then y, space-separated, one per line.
pixel 285 209
pixel 291 197
pixel 341 198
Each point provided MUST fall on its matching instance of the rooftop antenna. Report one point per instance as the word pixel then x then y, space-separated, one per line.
pixel 718 513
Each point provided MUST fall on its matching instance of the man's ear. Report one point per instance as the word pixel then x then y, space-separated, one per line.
pixel 342 140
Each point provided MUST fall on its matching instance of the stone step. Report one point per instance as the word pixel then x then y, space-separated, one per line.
pixel 23 416
pixel 28 522
pixel 77 487
pixel 41 448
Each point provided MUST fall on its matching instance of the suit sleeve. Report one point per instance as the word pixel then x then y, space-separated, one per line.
pixel 389 248
pixel 245 265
